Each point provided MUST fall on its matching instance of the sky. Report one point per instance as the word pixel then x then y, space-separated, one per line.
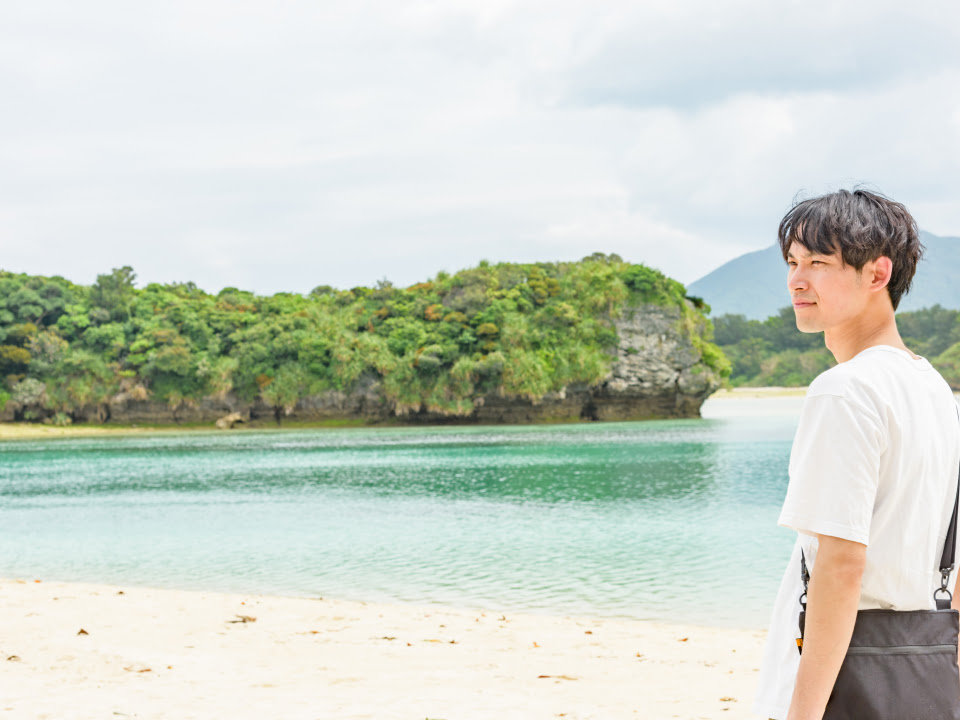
pixel 280 145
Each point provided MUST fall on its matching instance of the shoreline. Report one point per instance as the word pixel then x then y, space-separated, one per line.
pixel 152 653
pixel 30 431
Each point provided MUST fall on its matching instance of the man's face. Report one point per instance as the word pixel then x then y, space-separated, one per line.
pixel 825 292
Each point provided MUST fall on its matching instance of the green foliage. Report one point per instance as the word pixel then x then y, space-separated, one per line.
pixel 499 328
pixel 111 295
pixel 931 331
pixel 653 286
pixel 284 389
pixel 774 352
pixel 948 363
pixel 771 351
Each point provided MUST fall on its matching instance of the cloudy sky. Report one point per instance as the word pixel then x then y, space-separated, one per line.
pixel 280 145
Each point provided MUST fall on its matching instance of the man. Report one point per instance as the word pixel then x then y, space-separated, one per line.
pixel 873 469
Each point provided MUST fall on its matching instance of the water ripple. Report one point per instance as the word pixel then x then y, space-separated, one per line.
pixel 622 519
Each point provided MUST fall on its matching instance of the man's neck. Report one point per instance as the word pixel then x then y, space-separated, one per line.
pixel 867 331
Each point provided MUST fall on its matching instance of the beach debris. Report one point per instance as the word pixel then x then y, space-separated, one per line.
pixel 83 632
pixel 137 668
pixel 13 658
pixel 557 677
pixel 120 592
pixel 432 640
pixel 536 644
pixel 588 632
pixel 243 619
pixel 683 639
pixel 453 642
pixel 503 618
pixel 728 699
pixel 388 637
pixel 38 581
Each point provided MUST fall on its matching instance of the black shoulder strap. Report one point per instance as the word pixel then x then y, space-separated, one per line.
pixel 948 558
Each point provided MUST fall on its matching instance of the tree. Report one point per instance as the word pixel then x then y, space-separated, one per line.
pixel 30 398
pixel 112 295
pixel 284 390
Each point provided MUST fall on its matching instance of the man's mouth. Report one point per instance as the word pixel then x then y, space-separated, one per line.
pixel 802 303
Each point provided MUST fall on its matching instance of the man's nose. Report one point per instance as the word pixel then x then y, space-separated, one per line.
pixel 796 280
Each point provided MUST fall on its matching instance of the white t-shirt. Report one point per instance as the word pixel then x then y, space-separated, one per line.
pixel 874 460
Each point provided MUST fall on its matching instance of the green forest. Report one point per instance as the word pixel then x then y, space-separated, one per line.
pixel 516 329
pixel 773 352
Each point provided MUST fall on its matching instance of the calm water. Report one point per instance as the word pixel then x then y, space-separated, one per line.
pixel 665 519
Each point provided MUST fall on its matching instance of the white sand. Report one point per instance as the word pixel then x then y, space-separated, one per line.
pixel 174 654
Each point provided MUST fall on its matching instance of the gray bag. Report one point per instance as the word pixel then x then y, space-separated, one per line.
pixel 901 664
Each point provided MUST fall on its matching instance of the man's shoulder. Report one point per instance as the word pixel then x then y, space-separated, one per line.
pixel 863 381
pixel 880 381
pixel 841 380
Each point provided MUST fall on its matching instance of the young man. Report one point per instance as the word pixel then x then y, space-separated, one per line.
pixel 873 469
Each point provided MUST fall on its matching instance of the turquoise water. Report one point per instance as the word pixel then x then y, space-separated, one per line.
pixel 670 520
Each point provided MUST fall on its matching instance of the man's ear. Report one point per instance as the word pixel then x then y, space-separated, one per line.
pixel 882 269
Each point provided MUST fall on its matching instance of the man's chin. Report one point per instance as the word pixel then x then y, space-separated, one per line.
pixel 806 325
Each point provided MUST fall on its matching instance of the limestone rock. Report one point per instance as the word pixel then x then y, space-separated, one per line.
pixel 228 422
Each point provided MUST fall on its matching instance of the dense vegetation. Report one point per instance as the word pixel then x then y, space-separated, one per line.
pixel 774 352
pixel 516 329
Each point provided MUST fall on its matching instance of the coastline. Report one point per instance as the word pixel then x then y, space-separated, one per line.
pixel 151 653
pixel 30 431
pixel 758 392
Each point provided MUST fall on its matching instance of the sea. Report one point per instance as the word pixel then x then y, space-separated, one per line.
pixel 669 520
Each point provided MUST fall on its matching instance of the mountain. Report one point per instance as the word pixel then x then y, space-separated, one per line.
pixel 755 284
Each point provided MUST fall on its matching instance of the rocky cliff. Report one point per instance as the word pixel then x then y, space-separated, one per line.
pixel 657 372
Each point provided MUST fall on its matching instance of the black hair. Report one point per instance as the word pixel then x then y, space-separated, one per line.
pixel 862 226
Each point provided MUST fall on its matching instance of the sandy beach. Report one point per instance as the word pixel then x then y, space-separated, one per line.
pixel 94 651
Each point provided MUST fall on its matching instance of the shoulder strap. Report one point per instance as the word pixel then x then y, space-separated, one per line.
pixel 948 558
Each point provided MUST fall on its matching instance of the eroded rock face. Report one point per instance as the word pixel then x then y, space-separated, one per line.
pixel 656 373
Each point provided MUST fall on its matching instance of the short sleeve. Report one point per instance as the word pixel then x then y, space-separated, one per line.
pixel 834 470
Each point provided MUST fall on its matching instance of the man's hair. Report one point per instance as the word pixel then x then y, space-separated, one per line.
pixel 862 226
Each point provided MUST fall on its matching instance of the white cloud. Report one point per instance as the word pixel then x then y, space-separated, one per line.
pixel 279 146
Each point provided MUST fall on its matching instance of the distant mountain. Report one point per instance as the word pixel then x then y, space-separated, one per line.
pixel 755 284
